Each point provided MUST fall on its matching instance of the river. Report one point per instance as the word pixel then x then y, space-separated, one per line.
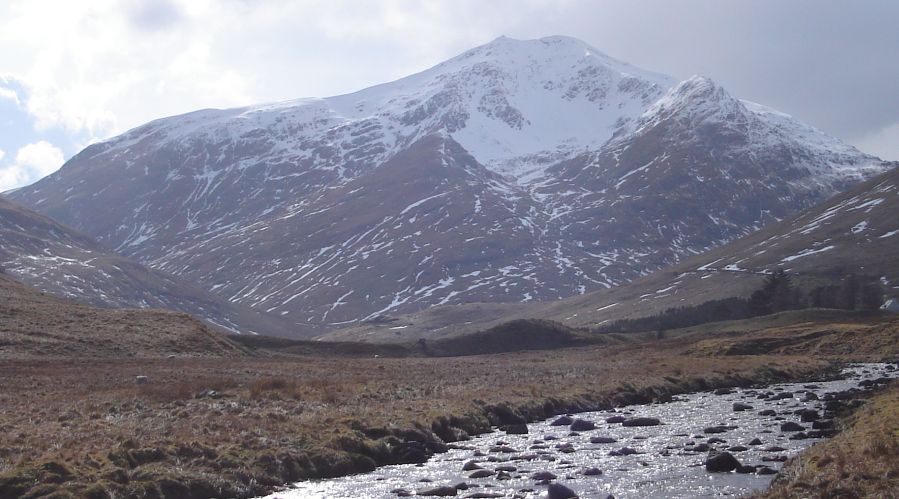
pixel 669 459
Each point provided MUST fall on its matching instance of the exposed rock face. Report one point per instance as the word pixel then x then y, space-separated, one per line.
pixel 519 170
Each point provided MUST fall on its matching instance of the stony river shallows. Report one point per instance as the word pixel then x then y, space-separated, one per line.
pixel 757 426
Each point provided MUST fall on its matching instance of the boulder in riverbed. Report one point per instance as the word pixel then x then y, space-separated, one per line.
pixel 562 421
pixel 823 424
pixel 722 462
pixel 442 491
pixel 641 422
pixel 482 473
pixel 808 415
pixel 517 429
pixel 559 491
pixel 582 425
pixel 791 426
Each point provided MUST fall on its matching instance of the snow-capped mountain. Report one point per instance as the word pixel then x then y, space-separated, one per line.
pixel 56 259
pixel 519 170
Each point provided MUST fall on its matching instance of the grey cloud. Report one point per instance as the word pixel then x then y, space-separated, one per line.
pixel 154 15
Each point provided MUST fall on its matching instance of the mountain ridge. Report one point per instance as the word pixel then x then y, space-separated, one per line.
pixel 243 200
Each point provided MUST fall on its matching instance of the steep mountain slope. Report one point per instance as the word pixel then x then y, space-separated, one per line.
pixel 701 168
pixel 855 232
pixel 517 171
pixel 38 251
pixel 33 324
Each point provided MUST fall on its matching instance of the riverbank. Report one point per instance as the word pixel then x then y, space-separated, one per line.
pixel 861 461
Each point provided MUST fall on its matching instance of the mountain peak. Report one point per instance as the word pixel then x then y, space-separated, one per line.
pixel 696 99
pixel 556 53
pixel 695 89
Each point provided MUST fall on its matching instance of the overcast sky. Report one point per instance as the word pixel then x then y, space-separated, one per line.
pixel 76 72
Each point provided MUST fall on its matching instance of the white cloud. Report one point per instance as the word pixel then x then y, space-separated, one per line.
pixel 7 93
pixel 41 157
pixel 106 66
pixel 884 143
pixel 32 162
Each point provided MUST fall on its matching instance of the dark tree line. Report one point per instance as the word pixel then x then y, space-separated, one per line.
pixel 852 294
pixel 777 294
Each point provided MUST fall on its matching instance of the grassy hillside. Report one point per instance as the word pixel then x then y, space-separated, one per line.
pixel 40 326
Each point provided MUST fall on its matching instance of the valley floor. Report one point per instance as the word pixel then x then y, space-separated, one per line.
pixel 239 427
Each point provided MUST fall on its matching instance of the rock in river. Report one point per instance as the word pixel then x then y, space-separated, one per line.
pixel 543 475
pixel 791 426
pixel 558 491
pixel 481 474
pixel 517 429
pixel 471 466
pixel 443 491
pixel 721 463
pixel 562 421
pixel 582 425
pixel 641 422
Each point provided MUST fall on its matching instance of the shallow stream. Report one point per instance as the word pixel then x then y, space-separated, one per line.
pixel 669 459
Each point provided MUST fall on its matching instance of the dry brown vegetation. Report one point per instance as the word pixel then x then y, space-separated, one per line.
pixel 854 336
pixel 36 325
